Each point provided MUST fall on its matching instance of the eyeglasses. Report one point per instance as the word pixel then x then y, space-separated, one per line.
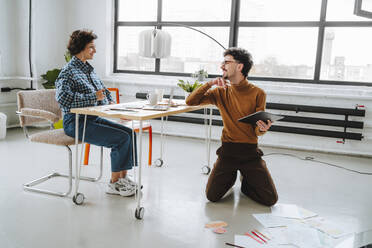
pixel 225 62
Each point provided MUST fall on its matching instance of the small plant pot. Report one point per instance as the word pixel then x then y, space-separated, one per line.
pixel 187 94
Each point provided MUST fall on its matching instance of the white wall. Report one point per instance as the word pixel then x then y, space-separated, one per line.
pixel 49 44
pixel 94 15
pixel 7 38
pixel 50 34
pixel 14 38
pixel 14 51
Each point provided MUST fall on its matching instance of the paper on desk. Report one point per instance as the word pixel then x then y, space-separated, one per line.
pixel 329 228
pixel 291 211
pixel 269 220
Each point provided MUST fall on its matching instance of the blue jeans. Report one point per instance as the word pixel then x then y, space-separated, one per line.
pixel 102 132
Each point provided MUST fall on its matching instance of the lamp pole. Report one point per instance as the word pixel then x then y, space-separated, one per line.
pixel 189 27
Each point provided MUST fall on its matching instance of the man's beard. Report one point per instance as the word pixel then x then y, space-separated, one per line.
pixel 225 76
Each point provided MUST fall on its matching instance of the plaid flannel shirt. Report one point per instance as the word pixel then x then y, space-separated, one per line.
pixel 76 86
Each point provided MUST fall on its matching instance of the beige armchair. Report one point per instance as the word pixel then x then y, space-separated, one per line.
pixel 39 106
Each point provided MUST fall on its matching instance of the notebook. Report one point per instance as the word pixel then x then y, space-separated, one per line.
pixel 260 115
pixel 161 107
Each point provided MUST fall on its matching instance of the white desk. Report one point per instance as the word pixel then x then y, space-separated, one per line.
pixel 140 115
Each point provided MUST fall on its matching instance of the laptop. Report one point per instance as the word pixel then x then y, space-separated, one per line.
pixel 161 107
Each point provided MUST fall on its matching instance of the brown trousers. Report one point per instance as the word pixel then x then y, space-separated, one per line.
pixel 257 182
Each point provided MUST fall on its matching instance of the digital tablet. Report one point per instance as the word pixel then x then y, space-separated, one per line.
pixel 260 115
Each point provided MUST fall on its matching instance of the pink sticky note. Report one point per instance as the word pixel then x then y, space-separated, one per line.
pixel 220 230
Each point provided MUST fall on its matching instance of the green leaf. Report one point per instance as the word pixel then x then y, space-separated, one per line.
pixel 189 86
pixel 50 77
pixel 49 85
pixel 68 56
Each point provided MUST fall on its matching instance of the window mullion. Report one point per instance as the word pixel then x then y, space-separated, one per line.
pixel 116 30
pixel 159 18
pixel 319 50
pixel 234 29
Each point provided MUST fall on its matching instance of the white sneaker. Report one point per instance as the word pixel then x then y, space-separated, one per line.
pixel 127 181
pixel 119 189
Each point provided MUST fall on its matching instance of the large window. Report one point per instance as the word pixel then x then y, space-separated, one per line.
pixel 317 41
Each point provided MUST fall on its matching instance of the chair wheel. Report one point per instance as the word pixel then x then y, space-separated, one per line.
pixel 159 162
pixel 139 213
pixel 206 170
pixel 78 199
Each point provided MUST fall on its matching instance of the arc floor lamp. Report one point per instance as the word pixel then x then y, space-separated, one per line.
pixel 156 43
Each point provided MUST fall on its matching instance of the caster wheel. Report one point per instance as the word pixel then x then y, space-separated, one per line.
pixel 139 213
pixel 206 170
pixel 159 162
pixel 78 199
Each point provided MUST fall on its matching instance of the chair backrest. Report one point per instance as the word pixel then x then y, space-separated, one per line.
pixel 37 99
pixel 116 90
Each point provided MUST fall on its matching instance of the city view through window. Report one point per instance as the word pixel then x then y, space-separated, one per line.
pixel 282 38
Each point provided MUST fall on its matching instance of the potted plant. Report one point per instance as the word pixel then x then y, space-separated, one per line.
pixel 52 75
pixel 188 87
pixel 201 75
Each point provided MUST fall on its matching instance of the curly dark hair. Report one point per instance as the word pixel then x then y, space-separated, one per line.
pixel 79 39
pixel 242 56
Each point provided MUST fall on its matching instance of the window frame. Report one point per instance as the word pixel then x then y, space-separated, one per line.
pixel 361 12
pixel 234 24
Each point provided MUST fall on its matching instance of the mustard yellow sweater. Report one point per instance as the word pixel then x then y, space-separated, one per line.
pixel 234 102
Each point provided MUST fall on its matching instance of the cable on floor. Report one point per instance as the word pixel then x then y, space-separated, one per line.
pixel 311 159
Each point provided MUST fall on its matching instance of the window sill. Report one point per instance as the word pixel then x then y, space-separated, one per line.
pixel 271 88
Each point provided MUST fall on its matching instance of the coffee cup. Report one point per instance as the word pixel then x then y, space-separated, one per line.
pixel 152 97
pixel 160 93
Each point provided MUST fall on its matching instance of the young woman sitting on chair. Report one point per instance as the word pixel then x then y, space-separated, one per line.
pixel 78 86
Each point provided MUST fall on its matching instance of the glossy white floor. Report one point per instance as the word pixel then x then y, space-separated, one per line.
pixel 176 209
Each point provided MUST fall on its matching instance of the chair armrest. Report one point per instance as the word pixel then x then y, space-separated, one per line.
pixel 39 113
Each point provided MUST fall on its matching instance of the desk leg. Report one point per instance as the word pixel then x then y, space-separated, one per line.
pixel 78 198
pixel 209 137
pixel 139 210
pixel 76 149
pixel 208 124
pixel 159 162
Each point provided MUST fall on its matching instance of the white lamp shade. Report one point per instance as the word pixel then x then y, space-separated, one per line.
pixel 154 43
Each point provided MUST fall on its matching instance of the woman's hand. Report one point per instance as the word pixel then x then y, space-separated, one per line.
pixel 100 95
pixel 264 126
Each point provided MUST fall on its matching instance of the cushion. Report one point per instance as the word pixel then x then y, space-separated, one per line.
pixel 53 137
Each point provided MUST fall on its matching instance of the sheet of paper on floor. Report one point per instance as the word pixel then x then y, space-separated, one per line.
pixel 304 213
pixel 248 242
pixel 285 210
pixel 303 236
pixel 269 220
pixel 291 211
pixel 329 227
pixel 278 235
pixel 281 236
